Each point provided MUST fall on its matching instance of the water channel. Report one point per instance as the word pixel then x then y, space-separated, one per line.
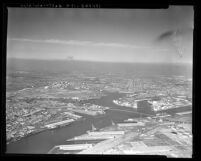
pixel 42 142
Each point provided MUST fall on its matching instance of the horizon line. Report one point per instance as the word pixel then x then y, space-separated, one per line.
pixel 96 61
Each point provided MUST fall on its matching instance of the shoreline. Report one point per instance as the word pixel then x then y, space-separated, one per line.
pixel 162 110
pixel 104 99
pixel 39 131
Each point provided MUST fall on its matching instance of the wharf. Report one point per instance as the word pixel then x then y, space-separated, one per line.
pixel 108 144
pixel 65 122
pixel 183 113
pixel 95 137
pixel 100 133
pixel 71 148
pixel 74 146
pixel 93 113
pixel 130 124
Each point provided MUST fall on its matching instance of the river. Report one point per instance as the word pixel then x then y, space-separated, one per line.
pixel 42 142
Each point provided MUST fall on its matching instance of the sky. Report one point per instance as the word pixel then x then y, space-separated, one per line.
pixel 109 35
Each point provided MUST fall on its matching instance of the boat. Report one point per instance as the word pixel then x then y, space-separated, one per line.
pixel 92 129
pixel 112 122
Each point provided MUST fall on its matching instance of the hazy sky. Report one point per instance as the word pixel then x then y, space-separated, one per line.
pixel 127 35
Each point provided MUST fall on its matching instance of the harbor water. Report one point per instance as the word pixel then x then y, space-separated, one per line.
pixel 42 142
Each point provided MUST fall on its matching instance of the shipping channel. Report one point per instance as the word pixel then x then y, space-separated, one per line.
pixel 42 142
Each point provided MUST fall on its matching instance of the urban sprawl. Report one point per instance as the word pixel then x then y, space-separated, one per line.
pixel 52 102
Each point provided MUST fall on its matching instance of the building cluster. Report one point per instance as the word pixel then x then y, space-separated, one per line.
pixel 23 119
pixel 68 85
pixel 126 103
pixel 161 92
pixel 89 109
pixel 169 102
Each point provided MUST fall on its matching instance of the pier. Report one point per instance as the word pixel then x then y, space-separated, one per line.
pixel 53 125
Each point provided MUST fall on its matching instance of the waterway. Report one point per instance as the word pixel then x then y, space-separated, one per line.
pixel 42 142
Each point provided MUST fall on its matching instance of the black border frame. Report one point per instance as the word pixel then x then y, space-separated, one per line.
pixel 99 4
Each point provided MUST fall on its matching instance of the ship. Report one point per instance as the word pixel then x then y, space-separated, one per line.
pixel 93 128
pixel 112 122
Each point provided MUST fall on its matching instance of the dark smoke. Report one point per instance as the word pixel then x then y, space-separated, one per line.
pixel 175 38
pixel 165 35
pixel 179 32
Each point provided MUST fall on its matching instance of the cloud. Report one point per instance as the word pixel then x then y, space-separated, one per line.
pixel 92 44
pixel 80 43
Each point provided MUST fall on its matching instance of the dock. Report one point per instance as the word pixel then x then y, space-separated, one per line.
pixel 108 144
pixel 183 113
pixel 98 133
pixel 87 112
pixel 73 115
pixel 130 124
pixel 74 146
pixel 103 135
pixel 69 148
pixel 65 122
